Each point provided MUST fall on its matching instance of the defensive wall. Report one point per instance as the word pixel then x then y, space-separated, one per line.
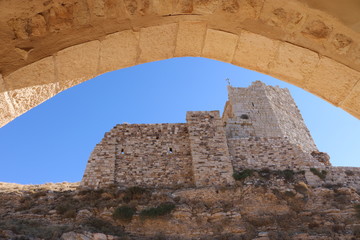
pixel 261 127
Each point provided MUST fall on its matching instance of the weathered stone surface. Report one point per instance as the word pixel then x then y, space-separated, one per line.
pixel 37 73
pixel 255 52
pixel 157 43
pixel 6 108
pixel 286 17
pixel 77 64
pixel 206 7
pixel 25 99
pixel 33 31
pixel 190 39
pixel 219 45
pixel 5 113
pixel 119 50
pixel 293 63
pixel 332 81
pixel 351 103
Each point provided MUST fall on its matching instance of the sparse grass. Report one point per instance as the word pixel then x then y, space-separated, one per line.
pixel 124 213
pixel 238 176
pixel 161 210
pixel 321 174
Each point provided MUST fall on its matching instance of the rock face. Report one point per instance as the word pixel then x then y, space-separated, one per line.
pixel 265 205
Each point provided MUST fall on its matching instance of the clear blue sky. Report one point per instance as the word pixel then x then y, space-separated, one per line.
pixel 52 142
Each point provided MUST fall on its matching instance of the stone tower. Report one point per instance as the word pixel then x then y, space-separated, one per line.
pixel 265 111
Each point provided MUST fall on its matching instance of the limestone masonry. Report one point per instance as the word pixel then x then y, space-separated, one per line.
pixel 261 127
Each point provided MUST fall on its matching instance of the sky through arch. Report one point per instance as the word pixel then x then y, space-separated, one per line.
pixel 52 142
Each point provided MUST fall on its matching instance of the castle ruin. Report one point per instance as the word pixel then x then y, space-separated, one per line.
pixel 261 127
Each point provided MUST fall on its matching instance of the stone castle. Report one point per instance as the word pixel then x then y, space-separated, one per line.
pixel 261 127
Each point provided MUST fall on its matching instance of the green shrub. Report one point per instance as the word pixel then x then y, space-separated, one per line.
pixel 243 174
pixel 124 213
pixel 265 173
pixel 97 225
pixel 66 210
pixel 321 175
pixel 288 175
pixel 357 210
pixel 132 193
pixel 161 210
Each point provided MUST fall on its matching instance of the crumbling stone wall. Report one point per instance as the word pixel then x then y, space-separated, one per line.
pixel 100 169
pixel 342 176
pixel 210 154
pixel 153 154
pixel 141 154
pixel 275 153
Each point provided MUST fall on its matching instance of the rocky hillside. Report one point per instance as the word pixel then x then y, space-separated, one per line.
pixel 262 205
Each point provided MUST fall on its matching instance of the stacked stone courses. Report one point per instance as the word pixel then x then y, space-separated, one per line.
pixel 261 127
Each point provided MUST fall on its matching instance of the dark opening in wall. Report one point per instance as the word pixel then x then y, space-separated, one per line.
pixel 253 104
pixel 122 151
pixel 170 150
pixel 244 116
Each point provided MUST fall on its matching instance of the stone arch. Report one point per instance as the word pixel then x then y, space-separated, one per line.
pixel 64 43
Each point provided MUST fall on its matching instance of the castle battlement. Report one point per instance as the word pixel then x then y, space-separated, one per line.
pixel 261 127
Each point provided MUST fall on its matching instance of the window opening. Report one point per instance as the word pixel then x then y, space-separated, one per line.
pixel 170 150
pixel 122 151
pixel 244 116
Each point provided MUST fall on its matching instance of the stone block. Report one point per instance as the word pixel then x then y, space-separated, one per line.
pixel 6 109
pixel 220 45
pixel 255 52
pixel 27 98
pixel 157 42
pixel 118 50
pixel 190 39
pixel 294 64
pixel 351 103
pixel 287 17
pixel 206 7
pixel 332 81
pixel 37 73
pixel 77 64
pixel 5 112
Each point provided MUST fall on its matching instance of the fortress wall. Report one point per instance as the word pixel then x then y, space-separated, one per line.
pixel 153 155
pixel 100 168
pixel 276 153
pixel 345 176
pixel 289 118
pixel 211 160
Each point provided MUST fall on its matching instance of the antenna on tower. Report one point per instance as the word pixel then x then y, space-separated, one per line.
pixel 228 81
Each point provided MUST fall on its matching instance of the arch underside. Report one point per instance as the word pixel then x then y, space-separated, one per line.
pixel 53 46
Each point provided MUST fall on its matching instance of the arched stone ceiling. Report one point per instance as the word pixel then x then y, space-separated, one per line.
pixel 47 46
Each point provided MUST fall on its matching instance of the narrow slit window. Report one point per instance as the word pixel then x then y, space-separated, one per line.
pixel 253 104
pixel 122 151
pixel 170 150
